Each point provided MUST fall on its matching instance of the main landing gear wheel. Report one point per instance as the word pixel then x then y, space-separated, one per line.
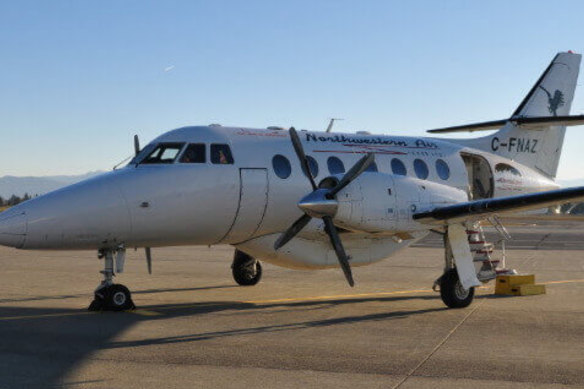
pixel 247 271
pixel 114 297
pixel 453 293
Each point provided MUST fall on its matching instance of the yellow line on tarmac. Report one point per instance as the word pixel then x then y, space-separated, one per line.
pixel 46 315
pixel 346 296
pixel 143 312
pixel 338 296
pixel 563 282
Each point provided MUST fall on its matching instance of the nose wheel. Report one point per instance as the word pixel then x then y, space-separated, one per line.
pixel 115 297
pixel 109 296
pixel 246 270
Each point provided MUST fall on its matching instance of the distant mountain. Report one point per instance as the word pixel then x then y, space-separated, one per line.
pixel 571 183
pixel 10 185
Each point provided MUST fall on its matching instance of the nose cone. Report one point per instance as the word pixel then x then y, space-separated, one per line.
pixel 12 228
pixel 87 215
pixel 316 204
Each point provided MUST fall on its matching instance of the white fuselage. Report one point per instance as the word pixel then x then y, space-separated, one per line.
pixel 247 204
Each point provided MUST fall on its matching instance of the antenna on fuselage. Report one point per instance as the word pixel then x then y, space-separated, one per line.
pixel 331 123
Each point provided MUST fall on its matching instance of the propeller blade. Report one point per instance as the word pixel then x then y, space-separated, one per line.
pixel 149 259
pixel 333 234
pixel 292 231
pixel 301 156
pixel 136 144
pixel 353 173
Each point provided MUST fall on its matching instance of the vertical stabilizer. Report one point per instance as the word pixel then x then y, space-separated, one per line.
pixel 552 94
pixel 539 148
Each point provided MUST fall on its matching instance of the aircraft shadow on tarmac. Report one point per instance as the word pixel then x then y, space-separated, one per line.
pixel 52 342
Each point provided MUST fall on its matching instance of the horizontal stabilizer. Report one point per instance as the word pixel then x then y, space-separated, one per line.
pixel 478 209
pixel 523 122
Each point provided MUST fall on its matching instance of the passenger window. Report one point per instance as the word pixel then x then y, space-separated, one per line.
pixel 313 165
pixel 335 165
pixel 398 167
pixel 442 169
pixel 163 153
pixel 372 168
pixel 221 155
pixel 195 153
pixel 281 166
pixel 421 169
pixel 504 168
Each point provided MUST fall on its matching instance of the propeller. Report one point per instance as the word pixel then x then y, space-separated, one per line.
pixel 322 204
pixel 149 259
pixel 301 156
pixel 136 144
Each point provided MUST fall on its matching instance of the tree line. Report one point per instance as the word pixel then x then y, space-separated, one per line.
pixel 14 200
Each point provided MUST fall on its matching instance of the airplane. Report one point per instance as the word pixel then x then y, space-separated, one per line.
pixel 312 200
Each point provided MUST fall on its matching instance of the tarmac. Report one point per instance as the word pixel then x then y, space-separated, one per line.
pixel 195 328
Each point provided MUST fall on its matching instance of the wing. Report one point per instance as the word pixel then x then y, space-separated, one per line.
pixel 480 209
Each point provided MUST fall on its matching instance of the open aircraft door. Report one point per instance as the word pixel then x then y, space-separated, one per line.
pixel 480 176
pixel 253 200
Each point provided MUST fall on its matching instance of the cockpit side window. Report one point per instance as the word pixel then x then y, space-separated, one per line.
pixel 163 153
pixel 221 154
pixel 194 153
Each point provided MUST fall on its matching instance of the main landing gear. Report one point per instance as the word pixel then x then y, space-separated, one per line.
pixel 453 294
pixel 110 296
pixel 246 270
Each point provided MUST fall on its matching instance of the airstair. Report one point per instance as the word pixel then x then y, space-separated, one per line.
pixel 488 264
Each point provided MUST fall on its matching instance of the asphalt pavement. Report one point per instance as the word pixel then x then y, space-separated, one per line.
pixel 195 328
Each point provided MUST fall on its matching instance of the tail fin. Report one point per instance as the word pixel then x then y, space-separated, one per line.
pixel 552 94
pixel 539 148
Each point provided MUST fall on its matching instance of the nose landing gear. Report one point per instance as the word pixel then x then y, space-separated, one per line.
pixel 110 296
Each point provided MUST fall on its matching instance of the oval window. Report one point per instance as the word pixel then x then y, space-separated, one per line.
pixel 313 165
pixel 504 168
pixel 281 166
pixel 442 169
pixel 335 165
pixel 398 167
pixel 421 169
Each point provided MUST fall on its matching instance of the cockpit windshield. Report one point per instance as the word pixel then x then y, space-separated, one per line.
pixel 159 153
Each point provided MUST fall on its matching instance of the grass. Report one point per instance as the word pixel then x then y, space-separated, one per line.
pixel 3 208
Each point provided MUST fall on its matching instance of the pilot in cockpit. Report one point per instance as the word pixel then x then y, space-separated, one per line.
pixel 189 156
pixel 195 153
pixel 222 158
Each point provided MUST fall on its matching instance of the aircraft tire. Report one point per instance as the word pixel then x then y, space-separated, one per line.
pixel 452 292
pixel 244 272
pixel 112 298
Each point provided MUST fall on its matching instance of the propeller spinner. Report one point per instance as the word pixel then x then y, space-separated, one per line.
pixel 322 204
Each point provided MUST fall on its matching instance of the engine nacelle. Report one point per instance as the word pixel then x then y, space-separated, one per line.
pixel 378 202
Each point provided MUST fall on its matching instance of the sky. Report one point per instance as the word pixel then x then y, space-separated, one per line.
pixel 79 78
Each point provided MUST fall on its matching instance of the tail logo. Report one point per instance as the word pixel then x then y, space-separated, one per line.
pixel 554 102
